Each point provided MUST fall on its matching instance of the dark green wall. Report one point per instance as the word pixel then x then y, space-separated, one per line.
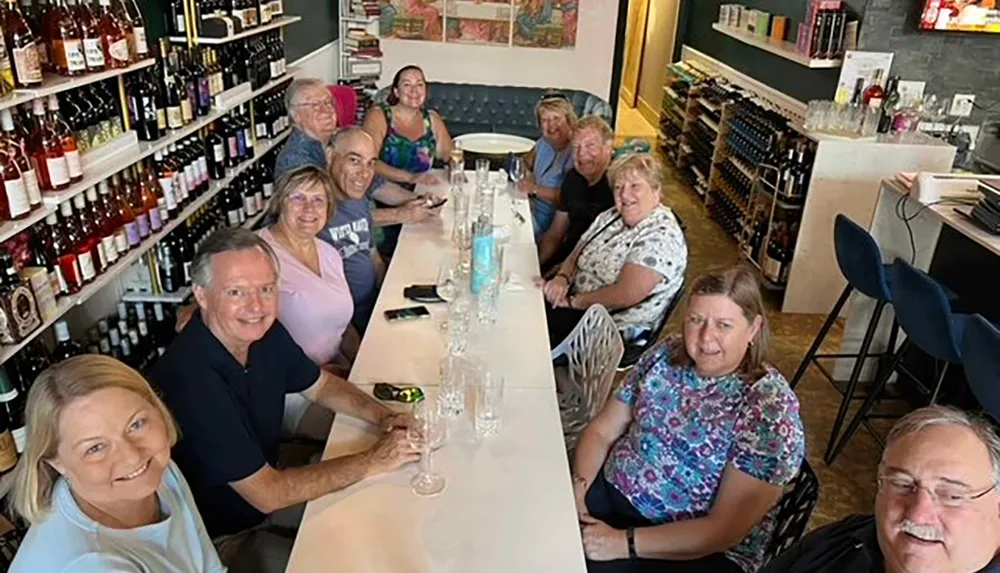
pixel 318 26
pixel 697 17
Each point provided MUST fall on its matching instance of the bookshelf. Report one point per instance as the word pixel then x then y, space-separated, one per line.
pixel 360 51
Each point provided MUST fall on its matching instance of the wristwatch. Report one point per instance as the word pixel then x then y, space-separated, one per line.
pixel 630 536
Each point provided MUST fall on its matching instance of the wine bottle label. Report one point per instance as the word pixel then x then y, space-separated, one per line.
pixel 70 272
pixel 161 119
pixel 187 272
pixel 73 163
pixel 175 118
pixel 18 435
pixel 268 190
pixel 155 222
pixel 118 51
pixel 234 147
pixel 121 240
pixel 241 143
pixel 164 214
pixel 110 249
pixel 102 257
pixel 249 206
pixel 190 177
pixel 17 197
pixel 24 310
pixel 186 116
pixel 87 270
pixel 203 168
pixel 180 187
pixel 142 222
pixel 8 451
pixel 258 198
pixel 31 186
pixel 58 170
pixel 219 152
pixel 772 268
pixel 93 53
pixel 69 55
pixel 180 24
pixel 27 64
pixel 275 69
pixel 6 328
pixel 59 286
pixel 261 130
pixel 132 234
pixel 233 216
pixel 204 93
pixel 139 39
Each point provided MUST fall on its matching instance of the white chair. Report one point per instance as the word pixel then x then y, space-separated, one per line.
pixel 593 351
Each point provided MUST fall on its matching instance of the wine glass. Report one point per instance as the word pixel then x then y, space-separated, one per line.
pixel 446 286
pixel 422 435
pixel 517 170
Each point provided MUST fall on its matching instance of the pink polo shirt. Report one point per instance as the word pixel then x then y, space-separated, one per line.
pixel 315 310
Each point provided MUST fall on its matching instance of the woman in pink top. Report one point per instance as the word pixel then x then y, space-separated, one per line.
pixel 314 301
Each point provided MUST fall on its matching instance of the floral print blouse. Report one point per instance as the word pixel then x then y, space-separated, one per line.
pixel 685 431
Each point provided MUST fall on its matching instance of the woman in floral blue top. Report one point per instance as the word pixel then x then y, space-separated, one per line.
pixel 682 469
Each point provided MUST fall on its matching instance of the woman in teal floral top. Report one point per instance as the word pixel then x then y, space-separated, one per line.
pixel 682 469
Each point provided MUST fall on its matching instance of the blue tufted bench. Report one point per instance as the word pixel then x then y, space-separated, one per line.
pixel 476 108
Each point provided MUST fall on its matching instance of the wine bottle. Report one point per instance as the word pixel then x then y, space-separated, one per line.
pixel 66 41
pixel 66 139
pixel 65 346
pixel 47 152
pixel 22 43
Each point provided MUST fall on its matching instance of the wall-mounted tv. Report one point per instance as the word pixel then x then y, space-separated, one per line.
pixel 961 15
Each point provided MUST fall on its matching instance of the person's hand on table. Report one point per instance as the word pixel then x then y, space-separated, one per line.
pixel 527 186
pixel 416 211
pixel 390 452
pixel 555 290
pixel 601 542
pixel 397 420
pixel 425 178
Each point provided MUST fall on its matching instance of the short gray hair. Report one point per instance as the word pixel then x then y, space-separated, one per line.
pixel 936 415
pixel 227 240
pixel 294 92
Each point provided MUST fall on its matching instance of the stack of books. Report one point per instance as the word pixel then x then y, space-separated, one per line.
pixel 365 8
pixel 358 42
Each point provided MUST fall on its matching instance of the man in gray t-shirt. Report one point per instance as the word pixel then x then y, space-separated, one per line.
pixel 350 231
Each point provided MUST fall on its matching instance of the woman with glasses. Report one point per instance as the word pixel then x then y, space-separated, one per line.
pixel 683 467
pixel 314 299
pixel 550 160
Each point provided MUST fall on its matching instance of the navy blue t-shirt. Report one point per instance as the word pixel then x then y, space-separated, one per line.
pixel 299 150
pixel 229 415
pixel 350 232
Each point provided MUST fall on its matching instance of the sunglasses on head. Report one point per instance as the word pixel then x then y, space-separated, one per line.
pixel 554 96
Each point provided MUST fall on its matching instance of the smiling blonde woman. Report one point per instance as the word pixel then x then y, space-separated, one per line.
pixel 96 481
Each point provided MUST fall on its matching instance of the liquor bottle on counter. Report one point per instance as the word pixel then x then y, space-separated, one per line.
pixel 17 302
pixel 47 152
pixel 890 106
pixel 875 93
pixel 22 45
pixel 66 139
pixel 65 346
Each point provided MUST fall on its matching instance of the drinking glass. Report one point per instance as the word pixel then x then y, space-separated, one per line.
pixel 422 435
pixel 460 225
pixel 517 170
pixel 446 281
pixel 452 398
pixel 489 404
pixel 482 171
pixel 458 324
pixel 487 302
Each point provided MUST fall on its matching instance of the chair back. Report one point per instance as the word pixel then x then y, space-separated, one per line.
pixel 924 313
pixel 346 100
pixel 859 258
pixel 981 361
pixel 793 511
pixel 592 350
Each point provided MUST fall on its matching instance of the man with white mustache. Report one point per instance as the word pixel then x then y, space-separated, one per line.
pixel 937 508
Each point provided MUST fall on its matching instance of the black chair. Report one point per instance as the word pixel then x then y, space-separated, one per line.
pixel 794 510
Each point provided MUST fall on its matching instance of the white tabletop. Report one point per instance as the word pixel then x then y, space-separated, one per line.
pixel 508 503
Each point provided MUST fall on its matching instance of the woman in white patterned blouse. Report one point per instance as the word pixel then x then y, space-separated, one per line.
pixel 631 260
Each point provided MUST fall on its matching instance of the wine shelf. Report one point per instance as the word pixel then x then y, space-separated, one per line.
pixel 359 19
pixel 251 221
pixel 275 24
pixel 786 50
pixel 178 297
pixel 53 84
pixel 67 303
pixel 711 124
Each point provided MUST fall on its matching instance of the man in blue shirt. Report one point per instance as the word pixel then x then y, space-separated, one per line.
pixel 314 120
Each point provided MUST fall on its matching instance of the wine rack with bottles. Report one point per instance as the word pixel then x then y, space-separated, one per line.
pixel 221 21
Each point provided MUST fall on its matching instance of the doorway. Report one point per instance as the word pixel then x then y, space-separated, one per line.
pixel 650 35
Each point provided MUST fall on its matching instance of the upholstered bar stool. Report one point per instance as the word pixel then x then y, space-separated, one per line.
pixel 923 311
pixel 981 361
pixel 860 261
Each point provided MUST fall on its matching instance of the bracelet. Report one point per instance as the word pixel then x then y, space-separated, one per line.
pixel 630 536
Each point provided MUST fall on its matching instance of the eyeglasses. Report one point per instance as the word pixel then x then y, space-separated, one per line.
pixel 318 106
pixel 300 201
pixel 943 495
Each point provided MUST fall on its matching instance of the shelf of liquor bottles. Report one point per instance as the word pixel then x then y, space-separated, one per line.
pixel 54 84
pixel 275 24
pixel 67 303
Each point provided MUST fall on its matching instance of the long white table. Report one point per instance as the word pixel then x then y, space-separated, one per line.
pixel 508 504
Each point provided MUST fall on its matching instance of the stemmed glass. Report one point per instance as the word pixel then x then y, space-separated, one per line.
pixel 446 286
pixel 482 172
pixel 516 169
pixel 424 434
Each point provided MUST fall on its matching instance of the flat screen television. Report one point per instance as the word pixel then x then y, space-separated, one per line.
pixel 961 15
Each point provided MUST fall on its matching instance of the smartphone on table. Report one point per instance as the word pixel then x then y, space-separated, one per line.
pixel 408 313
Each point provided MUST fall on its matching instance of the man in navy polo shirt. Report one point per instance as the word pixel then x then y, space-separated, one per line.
pixel 225 378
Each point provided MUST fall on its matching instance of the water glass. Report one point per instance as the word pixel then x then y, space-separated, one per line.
pixel 460 231
pixel 452 397
pixel 447 283
pixel 517 169
pixel 489 404
pixel 429 427
pixel 482 171
pixel 458 324
pixel 487 302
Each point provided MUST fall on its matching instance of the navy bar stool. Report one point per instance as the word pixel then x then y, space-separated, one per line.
pixel 923 311
pixel 860 261
pixel 981 360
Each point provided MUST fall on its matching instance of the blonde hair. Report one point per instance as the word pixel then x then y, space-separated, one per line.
pixel 55 388
pixel 598 124
pixel 643 165
pixel 559 105
pixel 739 284
pixel 305 176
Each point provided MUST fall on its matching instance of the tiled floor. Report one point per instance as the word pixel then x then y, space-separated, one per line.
pixel 848 486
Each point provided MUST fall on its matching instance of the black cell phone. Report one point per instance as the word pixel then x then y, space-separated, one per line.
pixel 408 313
pixel 437 204
pixel 423 293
